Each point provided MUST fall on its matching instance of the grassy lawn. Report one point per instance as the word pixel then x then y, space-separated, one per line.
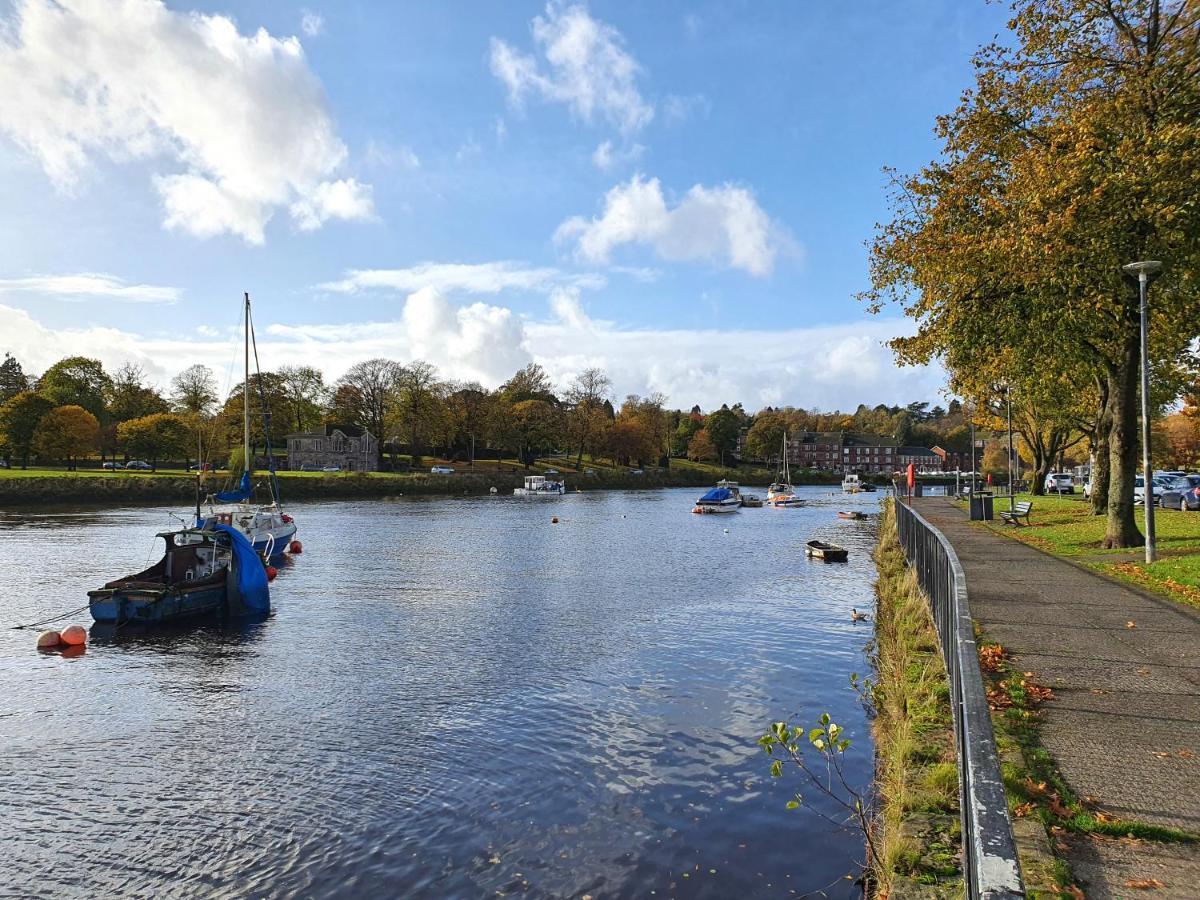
pixel 1066 527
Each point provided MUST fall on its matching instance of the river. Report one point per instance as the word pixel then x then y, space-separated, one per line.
pixel 454 698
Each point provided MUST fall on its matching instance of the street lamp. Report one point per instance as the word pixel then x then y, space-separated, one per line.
pixel 1146 271
pixel 1011 496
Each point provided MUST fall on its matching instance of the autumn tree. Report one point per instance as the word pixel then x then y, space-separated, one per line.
pixel 154 437
pixel 587 421
pixel 529 383
pixel 194 390
pixel 306 393
pixel 470 408
pixel 1073 154
pixel 364 396
pixel 66 433
pixel 419 407
pixel 722 426
pixel 764 440
pixel 19 418
pixel 536 428
pixel 77 381
pixel 701 447
pixel 130 397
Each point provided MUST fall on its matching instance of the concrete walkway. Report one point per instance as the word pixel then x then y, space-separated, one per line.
pixel 1125 725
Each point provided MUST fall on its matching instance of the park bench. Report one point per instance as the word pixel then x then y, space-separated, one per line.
pixel 1019 512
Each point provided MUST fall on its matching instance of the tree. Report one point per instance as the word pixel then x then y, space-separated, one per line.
pixel 470 408
pixel 66 433
pixel 722 427
pixel 587 422
pixel 365 395
pixel 764 440
pixel 306 393
pixel 269 404
pixel 19 418
pixel 529 383
pixel 155 437
pixel 419 406
pixel 701 447
pixel 13 379
pixel 536 429
pixel 1073 154
pixel 194 390
pixel 684 432
pixel 77 381
pixel 130 397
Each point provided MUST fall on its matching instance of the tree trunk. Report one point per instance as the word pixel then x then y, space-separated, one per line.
pixel 1100 458
pixel 1122 530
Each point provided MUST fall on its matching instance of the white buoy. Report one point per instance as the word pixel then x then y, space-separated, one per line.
pixel 727 531
pixel 493 490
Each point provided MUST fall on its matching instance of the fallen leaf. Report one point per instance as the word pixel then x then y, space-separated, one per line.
pixel 1037 788
pixel 1057 807
pixel 1144 884
pixel 1076 893
pixel 1143 671
pixel 1131 624
pixel 1186 754
pixel 1104 818
pixel 1162 754
pixel 1021 810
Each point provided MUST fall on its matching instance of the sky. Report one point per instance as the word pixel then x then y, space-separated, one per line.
pixel 679 193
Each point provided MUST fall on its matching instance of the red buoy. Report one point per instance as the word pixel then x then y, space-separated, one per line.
pixel 74 636
pixel 271 573
pixel 296 547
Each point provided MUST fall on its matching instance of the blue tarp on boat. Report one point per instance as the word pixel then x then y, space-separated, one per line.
pixel 716 495
pixel 242 492
pixel 248 591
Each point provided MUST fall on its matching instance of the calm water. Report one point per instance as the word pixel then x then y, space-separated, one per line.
pixel 455 698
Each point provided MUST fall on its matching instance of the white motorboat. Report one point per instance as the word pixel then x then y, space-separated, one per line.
pixel 852 484
pixel 539 486
pixel 726 497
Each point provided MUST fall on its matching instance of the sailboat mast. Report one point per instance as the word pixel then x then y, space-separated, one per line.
pixel 246 396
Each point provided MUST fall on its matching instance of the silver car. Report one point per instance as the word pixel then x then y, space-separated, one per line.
pixel 1059 483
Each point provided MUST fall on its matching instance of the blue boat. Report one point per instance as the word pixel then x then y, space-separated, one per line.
pixel 204 573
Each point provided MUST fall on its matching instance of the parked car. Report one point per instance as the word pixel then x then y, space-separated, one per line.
pixel 310 467
pixel 1060 483
pixel 441 470
pixel 111 465
pixel 1183 493
pixel 589 471
pixel 331 468
pixel 200 467
pixel 550 472
pixel 139 464
pixel 1139 491
pixel 636 472
pixel 3 463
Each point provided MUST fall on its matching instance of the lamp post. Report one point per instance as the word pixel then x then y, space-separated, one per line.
pixel 1146 271
pixel 1011 497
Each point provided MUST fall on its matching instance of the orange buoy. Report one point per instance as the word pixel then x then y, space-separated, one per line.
pixel 271 573
pixel 74 636
pixel 296 547
pixel 48 639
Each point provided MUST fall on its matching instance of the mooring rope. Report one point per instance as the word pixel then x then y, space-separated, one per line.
pixel 48 621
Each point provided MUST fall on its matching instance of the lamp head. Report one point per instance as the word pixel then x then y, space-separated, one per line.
pixel 1148 269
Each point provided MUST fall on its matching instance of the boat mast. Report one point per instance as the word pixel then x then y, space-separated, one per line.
pixel 246 396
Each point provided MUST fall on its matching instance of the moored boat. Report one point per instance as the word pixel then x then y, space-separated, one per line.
pixel 827 552
pixel 752 501
pixel 213 573
pixel 539 486
pixel 852 514
pixel 726 497
pixel 781 493
pixel 852 484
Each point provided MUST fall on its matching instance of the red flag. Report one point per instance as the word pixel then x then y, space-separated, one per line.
pixel 912 476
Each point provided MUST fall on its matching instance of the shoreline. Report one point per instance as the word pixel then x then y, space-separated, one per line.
pixel 130 488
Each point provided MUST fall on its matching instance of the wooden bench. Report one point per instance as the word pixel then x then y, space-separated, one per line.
pixel 1019 512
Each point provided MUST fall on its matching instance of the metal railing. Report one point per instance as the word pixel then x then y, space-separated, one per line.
pixel 989 851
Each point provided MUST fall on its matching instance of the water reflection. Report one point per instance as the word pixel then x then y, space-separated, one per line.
pixel 454 698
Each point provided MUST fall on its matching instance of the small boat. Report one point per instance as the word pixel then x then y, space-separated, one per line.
pixel 781 493
pixel 726 497
pixel 851 484
pixel 827 552
pixel 751 501
pixel 852 514
pixel 539 486
pixel 205 572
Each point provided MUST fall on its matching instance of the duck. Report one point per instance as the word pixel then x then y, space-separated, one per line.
pixel 856 616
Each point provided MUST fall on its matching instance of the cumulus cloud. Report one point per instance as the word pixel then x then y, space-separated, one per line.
pixel 241 119
pixel 823 366
pixel 90 284
pixel 722 225
pixel 584 65
pixel 472 278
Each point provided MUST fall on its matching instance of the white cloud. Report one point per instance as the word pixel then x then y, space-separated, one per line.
pixel 723 225
pixel 834 366
pixel 607 157
pixel 90 284
pixel 471 278
pixel 679 109
pixel 241 118
pixel 586 68
pixel 311 23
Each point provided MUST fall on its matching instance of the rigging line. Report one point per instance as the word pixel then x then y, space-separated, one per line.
pixel 266 413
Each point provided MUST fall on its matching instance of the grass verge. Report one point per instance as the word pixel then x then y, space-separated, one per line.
pixel 916 769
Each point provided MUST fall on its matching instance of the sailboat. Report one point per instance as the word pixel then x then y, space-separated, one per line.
pixel 780 493
pixel 268 529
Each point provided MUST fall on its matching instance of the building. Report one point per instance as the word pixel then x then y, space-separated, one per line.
pixel 346 447
pixel 923 461
pixel 954 460
pixel 843 451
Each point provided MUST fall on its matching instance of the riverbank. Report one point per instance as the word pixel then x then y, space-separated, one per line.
pixel 916 773
pixel 31 487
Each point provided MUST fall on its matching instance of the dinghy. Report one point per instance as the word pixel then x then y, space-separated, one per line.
pixel 827 552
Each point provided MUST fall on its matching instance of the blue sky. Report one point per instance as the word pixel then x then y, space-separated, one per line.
pixel 679 192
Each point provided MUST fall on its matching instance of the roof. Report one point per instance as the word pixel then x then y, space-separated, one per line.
pixel 328 430
pixel 917 451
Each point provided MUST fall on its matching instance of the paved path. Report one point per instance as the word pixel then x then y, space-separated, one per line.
pixel 1125 725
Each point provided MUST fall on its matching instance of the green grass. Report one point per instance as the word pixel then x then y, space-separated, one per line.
pixel 916 772
pixel 1065 526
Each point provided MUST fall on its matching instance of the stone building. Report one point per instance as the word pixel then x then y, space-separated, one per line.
pixel 348 447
